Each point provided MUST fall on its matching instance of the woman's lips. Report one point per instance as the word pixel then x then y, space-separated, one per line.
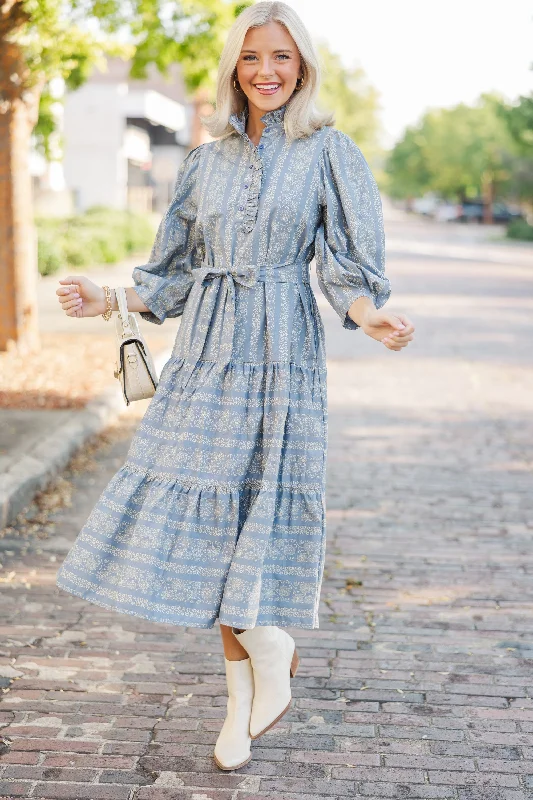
pixel 267 88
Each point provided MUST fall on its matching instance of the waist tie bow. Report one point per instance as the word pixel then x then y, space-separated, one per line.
pixel 227 277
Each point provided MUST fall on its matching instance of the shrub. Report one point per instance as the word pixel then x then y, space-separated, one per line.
pixel 520 229
pixel 50 255
pixel 99 236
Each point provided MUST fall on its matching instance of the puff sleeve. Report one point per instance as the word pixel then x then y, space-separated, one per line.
pixel 164 283
pixel 350 242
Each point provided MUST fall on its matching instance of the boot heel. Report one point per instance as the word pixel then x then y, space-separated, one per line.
pixel 294 663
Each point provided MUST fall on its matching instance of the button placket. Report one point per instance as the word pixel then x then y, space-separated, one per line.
pixel 248 207
pixel 251 188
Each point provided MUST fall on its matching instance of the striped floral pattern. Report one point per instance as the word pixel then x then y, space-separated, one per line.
pixel 218 510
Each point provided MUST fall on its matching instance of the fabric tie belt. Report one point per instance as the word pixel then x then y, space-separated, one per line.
pixel 226 277
pixel 250 274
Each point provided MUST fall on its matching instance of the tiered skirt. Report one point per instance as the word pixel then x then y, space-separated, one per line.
pixel 218 511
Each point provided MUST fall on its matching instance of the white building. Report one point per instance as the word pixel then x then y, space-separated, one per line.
pixel 123 140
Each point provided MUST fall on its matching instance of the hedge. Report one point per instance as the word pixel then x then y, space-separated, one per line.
pixel 520 229
pixel 99 236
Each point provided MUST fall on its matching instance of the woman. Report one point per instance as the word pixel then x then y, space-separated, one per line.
pixel 218 511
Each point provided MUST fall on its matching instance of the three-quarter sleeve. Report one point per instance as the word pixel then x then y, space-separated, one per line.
pixel 350 242
pixel 164 283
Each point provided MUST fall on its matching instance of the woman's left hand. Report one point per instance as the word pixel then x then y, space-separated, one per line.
pixel 395 331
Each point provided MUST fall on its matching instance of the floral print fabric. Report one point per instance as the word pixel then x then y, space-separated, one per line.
pixel 219 510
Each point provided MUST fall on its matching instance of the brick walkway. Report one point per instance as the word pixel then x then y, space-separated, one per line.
pixel 419 682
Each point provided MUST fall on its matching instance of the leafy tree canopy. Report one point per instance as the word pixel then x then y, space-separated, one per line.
pixel 347 93
pixel 65 39
pixel 519 119
pixel 68 38
pixel 454 152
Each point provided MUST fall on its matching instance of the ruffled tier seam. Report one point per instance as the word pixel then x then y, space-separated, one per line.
pixel 252 364
pixel 247 484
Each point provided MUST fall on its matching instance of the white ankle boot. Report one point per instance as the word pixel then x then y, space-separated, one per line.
pixel 232 749
pixel 274 660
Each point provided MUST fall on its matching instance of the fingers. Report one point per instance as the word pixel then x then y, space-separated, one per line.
pixel 68 297
pixel 403 336
pixel 403 333
pixel 405 320
pixel 75 311
pixel 71 279
pixel 68 290
pixel 391 346
pixel 70 300
pixel 397 343
pixel 393 320
pixel 74 303
pixel 402 325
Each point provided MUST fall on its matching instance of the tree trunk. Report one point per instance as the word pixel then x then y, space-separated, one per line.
pixel 488 198
pixel 18 251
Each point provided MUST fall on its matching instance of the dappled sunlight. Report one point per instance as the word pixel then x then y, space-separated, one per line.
pixel 434 595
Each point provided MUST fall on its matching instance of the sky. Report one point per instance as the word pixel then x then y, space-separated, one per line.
pixel 421 54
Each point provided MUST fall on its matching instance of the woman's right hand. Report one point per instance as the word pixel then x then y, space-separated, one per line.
pixel 80 297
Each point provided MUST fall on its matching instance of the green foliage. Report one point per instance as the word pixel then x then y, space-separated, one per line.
pixel 354 102
pixel 189 32
pixel 408 169
pixel 68 38
pixel 519 119
pixel 456 152
pixel 50 255
pixel 100 236
pixel 520 229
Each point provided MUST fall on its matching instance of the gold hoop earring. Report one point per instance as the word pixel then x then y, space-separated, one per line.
pixel 299 85
pixel 237 88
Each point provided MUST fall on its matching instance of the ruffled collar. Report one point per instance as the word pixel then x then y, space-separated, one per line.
pixel 270 119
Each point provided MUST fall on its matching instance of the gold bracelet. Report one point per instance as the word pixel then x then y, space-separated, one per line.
pixel 108 311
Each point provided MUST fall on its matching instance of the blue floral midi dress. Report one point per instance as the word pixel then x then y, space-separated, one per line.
pixel 219 509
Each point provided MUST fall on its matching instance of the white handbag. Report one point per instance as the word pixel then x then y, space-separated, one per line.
pixel 134 366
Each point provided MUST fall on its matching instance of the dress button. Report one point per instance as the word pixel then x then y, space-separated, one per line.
pixel 245 185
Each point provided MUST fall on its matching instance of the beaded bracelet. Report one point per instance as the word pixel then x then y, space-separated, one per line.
pixel 108 311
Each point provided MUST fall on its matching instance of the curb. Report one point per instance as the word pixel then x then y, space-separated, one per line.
pixel 32 473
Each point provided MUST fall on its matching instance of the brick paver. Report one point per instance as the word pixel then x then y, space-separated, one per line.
pixel 419 682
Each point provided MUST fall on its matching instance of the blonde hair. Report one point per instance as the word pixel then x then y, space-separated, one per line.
pixel 301 117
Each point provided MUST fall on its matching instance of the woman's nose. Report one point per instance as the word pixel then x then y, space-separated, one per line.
pixel 265 69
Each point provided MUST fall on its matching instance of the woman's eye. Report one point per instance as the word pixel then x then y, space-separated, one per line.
pixel 282 56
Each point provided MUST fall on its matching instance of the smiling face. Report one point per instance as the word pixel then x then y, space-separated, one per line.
pixel 268 67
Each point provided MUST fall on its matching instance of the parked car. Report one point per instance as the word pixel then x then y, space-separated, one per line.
pixel 473 212
pixel 447 212
pixel 503 214
pixel 424 205
pixel 470 212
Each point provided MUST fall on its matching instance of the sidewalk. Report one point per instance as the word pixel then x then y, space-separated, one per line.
pixel 50 404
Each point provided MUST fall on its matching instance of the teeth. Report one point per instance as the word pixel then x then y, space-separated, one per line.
pixel 267 85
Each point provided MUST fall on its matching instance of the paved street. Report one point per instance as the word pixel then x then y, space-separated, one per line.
pixel 419 682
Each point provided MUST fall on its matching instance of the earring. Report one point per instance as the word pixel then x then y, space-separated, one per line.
pixel 299 83
pixel 237 88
